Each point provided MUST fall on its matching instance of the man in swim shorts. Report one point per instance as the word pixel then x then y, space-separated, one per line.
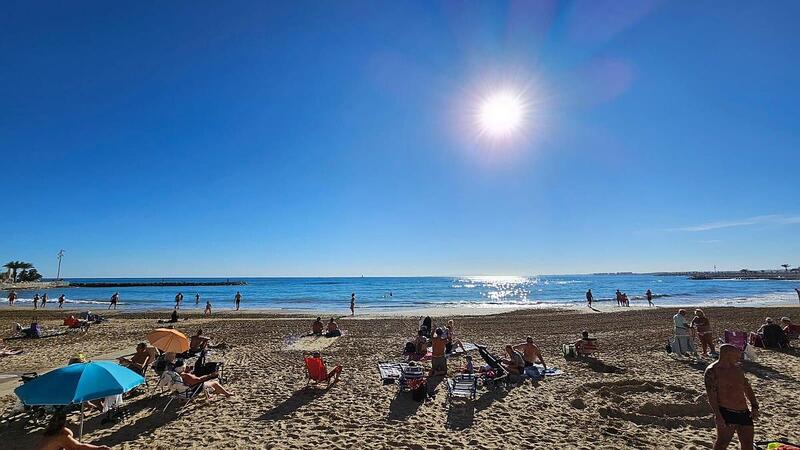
pixel 728 393
pixel 530 352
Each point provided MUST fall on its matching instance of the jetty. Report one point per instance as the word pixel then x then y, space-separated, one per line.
pixel 747 275
pixel 114 284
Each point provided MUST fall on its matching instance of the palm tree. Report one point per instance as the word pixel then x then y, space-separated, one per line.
pixel 14 266
pixel 785 266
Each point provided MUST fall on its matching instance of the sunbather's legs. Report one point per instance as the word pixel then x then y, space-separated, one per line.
pixel 334 373
pixel 745 435
pixel 217 388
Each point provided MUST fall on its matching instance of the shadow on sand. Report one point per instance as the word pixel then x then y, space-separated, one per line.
pixel 296 401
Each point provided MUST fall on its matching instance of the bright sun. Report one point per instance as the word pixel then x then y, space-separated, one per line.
pixel 501 114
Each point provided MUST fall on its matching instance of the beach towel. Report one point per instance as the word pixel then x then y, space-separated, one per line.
pixel 391 371
pixel 538 371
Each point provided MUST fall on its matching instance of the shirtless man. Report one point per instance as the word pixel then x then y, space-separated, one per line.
pixel 58 437
pixel 728 393
pixel 438 358
pixel 114 300
pixel 138 361
pixel 61 299
pixel 44 299
pixel 530 352
pixel 208 381
pixel 238 299
pixel 198 342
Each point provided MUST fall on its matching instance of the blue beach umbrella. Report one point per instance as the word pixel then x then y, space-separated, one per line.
pixel 78 383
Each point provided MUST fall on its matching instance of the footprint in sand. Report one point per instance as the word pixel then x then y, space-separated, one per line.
pixel 646 403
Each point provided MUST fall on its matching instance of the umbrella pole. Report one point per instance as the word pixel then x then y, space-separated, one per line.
pixel 80 433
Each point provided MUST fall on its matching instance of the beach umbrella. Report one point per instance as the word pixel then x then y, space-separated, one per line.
pixel 78 383
pixel 169 340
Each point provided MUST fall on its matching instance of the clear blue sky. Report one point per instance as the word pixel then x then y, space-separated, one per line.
pixel 329 138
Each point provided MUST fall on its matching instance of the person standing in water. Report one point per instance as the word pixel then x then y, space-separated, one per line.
pixel 178 300
pixel 353 304
pixel 61 299
pixel 649 295
pixel 238 299
pixel 196 300
pixel 114 300
pixel 589 298
pixel 208 308
pixel 11 297
pixel 35 301
pixel 44 299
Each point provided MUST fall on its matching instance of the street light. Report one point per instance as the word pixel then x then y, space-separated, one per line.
pixel 60 255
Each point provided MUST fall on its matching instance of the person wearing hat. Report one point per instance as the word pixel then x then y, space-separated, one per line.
pixel 792 330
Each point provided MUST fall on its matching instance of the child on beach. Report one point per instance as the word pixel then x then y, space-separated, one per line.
pixel 208 308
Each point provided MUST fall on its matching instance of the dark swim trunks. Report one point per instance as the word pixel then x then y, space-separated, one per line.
pixel 735 417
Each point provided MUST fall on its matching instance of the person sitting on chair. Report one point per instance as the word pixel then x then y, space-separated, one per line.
pixel 198 342
pixel 771 335
pixel 333 329
pixel 332 374
pixel 316 327
pixel 586 345
pixel 138 361
pixel 791 330
pixel 208 381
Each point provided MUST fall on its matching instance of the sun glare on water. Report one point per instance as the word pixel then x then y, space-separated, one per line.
pixel 501 114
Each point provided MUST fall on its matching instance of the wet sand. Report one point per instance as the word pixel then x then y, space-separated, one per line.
pixel 633 396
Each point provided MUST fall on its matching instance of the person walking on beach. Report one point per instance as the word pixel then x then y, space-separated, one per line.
pixel 44 299
pixel 238 299
pixel 11 297
pixel 196 300
pixel 353 304
pixel 61 301
pixel 619 298
pixel 35 301
pixel 728 393
pixel 114 300
pixel 178 298
pixel 649 295
pixel 682 333
pixel 589 298
pixel 207 312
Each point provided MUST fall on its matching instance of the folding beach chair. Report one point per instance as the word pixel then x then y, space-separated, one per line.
pixel 317 372
pixel 390 372
pixel 463 386
pixel 179 390
pixel 412 379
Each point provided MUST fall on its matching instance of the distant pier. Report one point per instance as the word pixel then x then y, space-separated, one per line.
pixel 124 284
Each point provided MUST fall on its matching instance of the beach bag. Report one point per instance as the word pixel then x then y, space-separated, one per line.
pixel 569 351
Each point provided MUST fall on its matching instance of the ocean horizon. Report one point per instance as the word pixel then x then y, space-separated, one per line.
pixel 331 294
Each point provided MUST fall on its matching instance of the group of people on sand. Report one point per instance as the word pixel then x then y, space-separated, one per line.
pixel 318 328
pixel 769 335
pixel 621 298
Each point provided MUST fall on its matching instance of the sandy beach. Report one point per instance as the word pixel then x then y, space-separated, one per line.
pixel 634 396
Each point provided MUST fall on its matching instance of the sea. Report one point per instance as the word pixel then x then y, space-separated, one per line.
pixel 376 294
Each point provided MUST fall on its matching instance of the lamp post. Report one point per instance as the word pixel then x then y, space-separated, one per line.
pixel 60 255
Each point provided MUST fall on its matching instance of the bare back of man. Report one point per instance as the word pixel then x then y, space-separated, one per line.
pixel 728 393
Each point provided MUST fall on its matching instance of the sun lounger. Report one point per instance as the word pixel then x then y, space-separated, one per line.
pixel 179 390
pixel 463 386
pixel 411 377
